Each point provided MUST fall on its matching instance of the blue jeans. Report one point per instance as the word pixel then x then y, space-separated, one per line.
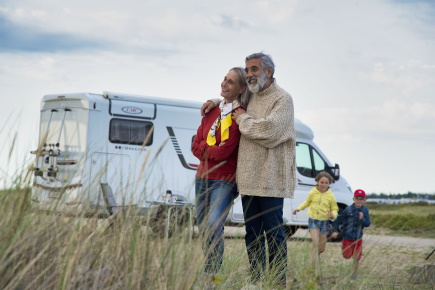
pixel 264 216
pixel 214 199
pixel 320 225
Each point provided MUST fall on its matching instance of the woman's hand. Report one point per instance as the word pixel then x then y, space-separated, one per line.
pixel 330 215
pixel 295 211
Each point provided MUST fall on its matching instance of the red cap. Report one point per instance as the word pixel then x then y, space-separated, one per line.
pixel 359 192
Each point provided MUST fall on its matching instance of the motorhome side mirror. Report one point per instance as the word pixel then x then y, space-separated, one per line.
pixel 334 171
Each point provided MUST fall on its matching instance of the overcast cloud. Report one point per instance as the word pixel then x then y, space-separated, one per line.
pixel 361 73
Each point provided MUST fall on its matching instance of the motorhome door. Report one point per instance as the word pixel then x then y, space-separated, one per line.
pixel 113 169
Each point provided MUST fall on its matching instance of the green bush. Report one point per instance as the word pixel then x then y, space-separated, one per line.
pixel 375 206
pixel 404 222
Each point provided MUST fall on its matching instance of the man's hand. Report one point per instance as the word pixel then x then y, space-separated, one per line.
pixel 334 235
pixel 361 215
pixel 237 113
pixel 206 107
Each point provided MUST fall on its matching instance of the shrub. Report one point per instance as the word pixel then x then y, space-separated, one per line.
pixel 404 222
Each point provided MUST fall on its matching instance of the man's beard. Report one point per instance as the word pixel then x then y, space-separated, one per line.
pixel 261 81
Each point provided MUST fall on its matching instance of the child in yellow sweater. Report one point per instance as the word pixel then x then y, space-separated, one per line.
pixel 322 207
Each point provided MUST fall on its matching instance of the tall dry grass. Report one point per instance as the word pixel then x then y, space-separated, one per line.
pixel 49 251
pixel 52 251
pixel 40 251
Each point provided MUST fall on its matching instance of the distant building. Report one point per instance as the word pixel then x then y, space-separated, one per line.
pixel 399 201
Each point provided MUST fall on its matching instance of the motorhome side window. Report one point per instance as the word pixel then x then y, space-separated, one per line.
pixel 308 161
pixel 130 132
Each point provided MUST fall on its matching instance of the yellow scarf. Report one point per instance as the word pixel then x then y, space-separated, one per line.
pixel 224 122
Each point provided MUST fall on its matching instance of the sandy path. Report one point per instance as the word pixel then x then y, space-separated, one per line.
pixel 381 239
pixel 368 239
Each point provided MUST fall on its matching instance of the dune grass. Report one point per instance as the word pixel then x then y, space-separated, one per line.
pixel 55 251
pixel 409 219
pixel 40 251
pixel 418 208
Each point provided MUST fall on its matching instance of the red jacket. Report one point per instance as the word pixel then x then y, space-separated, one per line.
pixel 223 157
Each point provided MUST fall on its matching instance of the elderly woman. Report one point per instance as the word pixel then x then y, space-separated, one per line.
pixel 216 146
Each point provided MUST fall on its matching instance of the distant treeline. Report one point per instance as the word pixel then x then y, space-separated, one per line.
pixel 403 195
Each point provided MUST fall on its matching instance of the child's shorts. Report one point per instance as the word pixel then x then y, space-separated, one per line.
pixel 352 249
pixel 322 226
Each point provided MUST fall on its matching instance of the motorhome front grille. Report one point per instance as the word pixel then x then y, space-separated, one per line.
pixel 60 104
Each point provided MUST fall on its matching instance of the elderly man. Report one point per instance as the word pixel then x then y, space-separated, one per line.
pixel 266 165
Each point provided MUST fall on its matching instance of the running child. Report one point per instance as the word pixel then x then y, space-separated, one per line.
pixel 354 219
pixel 322 207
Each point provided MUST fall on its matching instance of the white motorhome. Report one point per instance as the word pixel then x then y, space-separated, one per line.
pixel 99 152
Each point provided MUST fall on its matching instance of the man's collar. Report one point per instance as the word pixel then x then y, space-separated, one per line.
pixel 272 85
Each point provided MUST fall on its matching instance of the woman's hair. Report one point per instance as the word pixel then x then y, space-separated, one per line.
pixel 246 95
pixel 324 174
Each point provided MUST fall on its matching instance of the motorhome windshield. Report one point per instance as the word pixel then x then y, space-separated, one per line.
pixel 308 160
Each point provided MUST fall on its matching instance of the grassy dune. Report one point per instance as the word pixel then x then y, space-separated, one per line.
pixel 418 209
pixel 40 251
pixel 412 219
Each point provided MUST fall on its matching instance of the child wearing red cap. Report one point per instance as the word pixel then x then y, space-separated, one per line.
pixel 354 219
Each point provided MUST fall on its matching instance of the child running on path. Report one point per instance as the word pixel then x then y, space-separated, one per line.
pixel 322 207
pixel 354 219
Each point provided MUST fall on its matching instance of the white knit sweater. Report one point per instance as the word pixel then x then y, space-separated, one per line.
pixel 267 157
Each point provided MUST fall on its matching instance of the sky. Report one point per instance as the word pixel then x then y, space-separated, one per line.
pixel 361 73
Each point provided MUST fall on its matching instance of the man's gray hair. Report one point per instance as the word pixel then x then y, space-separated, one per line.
pixel 266 61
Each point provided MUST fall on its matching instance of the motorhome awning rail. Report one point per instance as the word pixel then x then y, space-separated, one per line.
pixel 151 100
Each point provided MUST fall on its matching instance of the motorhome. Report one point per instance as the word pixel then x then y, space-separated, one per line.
pixel 101 152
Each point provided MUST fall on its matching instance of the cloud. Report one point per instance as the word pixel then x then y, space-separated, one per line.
pixel 45 69
pixel 419 13
pixel 21 38
pixel 408 76
pixel 428 3
pixel 168 26
pixel 24 37
pixel 233 22
pixel 86 27
pixel 393 120
pixel 361 72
